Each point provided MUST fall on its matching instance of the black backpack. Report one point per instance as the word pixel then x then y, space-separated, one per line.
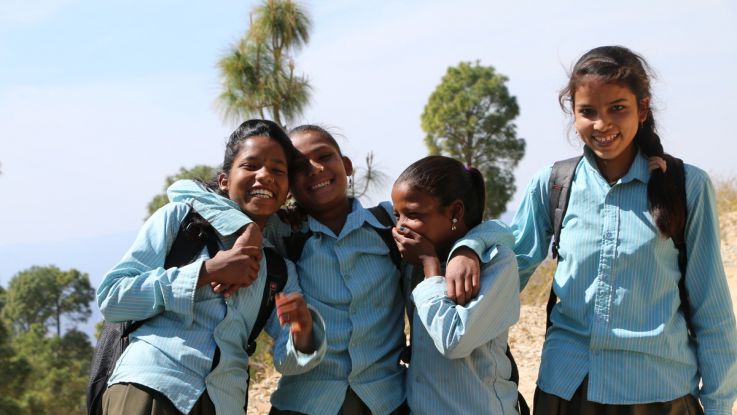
pixel 194 234
pixel 559 187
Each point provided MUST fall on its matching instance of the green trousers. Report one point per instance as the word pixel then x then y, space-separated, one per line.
pixel 133 399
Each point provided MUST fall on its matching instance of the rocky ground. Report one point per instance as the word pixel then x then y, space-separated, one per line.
pixel 526 336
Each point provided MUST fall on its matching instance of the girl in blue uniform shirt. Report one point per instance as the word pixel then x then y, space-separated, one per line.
pixel 459 365
pixel 168 366
pixel 619 342
pixel 346 273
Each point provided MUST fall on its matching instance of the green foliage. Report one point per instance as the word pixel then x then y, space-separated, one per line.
pixel 14 370
pixel 469 117
pixel 60 370
pixel 258 74
pixel 42 295
pixel 198 172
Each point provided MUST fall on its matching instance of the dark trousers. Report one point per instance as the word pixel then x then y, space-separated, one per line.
pixel 352 405
pixel 547 404
pixel 134 399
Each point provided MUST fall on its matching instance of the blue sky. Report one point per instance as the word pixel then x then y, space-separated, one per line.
pixel 99 101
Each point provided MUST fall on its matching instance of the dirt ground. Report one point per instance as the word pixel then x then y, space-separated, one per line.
pixel 526 337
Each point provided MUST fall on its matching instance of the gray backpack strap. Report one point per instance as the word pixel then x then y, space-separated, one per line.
pixel 559 193
pixel 559 187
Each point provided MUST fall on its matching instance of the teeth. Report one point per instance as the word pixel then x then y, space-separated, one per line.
pixel 262 193
pixel 320 185
pixel 605 139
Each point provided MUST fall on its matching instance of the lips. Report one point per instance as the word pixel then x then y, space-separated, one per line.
pixel 604 139
pixel 320 185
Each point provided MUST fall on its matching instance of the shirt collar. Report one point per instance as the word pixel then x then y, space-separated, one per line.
pixel 638 170
pixel 356 218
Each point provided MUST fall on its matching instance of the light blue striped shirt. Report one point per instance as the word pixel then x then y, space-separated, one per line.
pixel 351 280
pixel 459 365
pixel 618 320
pixel 173 351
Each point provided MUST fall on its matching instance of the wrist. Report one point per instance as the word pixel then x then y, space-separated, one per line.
pixel 205 276
pixel 430 266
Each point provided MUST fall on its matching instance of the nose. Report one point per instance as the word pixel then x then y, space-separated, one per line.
pixel 602 123
pixel 264 176
pixel 316 167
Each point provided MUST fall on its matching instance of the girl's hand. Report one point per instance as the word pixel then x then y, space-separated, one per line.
pixel 237 267
pixel 462 275
pixel 292 309
pixel 417 250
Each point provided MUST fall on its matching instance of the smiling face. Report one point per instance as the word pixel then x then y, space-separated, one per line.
pixel 607 116
pixel 257 180
pixel 422 213
pixel 320 179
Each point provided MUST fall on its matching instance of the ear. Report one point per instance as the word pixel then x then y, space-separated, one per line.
pixel 223 182
pixel 347 165
pixel 644 109
pixel 457 209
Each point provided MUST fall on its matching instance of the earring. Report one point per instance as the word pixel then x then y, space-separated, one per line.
pixel 453 226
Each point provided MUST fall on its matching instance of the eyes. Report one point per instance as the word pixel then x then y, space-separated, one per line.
pixel 590 112
pixel 275 169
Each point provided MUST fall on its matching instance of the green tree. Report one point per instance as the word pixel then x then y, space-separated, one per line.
pixel 470 117
pixel 14 371
pixel 258 73
pixel 60 370
pixel 199 172
pixel 44 294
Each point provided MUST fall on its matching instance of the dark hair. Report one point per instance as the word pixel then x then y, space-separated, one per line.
pixel 449 180
pixel 313 128
pixel 619 65
pixel 256 128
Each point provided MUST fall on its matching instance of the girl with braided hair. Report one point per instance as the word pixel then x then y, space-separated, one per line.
pixel 621 340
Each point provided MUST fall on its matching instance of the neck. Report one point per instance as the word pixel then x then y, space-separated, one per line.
pixel 334 218
pixel 615 169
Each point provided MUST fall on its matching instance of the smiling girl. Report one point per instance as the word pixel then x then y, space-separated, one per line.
pixel 347 274
pixel 190 354
pixel 459 361
pixel 619 341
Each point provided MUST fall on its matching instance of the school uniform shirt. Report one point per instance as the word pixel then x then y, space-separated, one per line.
pixel 173 351
pixel 351 280
pixel 618 319
pixel 459 365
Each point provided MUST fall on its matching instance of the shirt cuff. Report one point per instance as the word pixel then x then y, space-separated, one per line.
pixel 227 220
pixel 429 289
pixel 319 339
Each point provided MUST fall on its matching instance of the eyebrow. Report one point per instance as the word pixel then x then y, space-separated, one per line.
pixel 274 160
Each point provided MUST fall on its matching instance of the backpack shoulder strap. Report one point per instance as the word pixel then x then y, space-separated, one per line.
pixel 194 233
pixel 295 244
pixel 559 187
pixel 386 233
pixel 276 279
pixel 679 240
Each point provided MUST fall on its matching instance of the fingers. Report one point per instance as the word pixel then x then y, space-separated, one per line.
pixel 460 292
pixel 450 287
pixel 292 309
pixel 251 236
